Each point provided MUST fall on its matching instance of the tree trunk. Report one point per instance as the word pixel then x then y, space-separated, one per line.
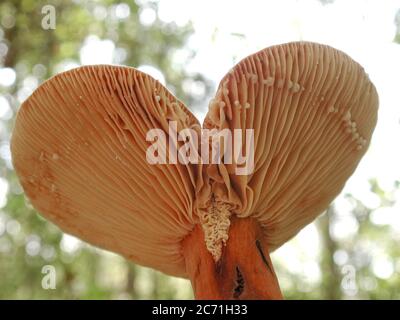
pixel 331 281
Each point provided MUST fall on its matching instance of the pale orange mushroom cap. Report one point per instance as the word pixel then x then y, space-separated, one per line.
pixel 79 149
pixel 313 110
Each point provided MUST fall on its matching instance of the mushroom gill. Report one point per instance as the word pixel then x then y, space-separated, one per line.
pixel 80 142
pixel 313 110
pixel 79 149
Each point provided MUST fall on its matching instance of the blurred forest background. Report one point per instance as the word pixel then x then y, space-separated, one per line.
pixel 364 265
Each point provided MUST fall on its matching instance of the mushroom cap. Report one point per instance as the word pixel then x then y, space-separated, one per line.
pixel 313 110
pixel 79 149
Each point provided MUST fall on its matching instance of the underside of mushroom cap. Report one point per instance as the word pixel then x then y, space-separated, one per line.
pixel 313 110
pixel 80 145
pixel 79 148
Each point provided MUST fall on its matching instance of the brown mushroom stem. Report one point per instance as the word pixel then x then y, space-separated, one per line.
pixel 244 270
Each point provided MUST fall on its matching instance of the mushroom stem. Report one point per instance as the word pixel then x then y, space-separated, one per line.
pixel 244 270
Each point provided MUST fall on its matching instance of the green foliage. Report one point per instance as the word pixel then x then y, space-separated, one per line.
pixel 355 274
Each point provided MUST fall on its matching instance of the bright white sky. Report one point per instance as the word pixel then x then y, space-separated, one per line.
pixel 227 31
pixel 363 29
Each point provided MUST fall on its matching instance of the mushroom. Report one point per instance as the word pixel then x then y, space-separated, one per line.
pixel 79 149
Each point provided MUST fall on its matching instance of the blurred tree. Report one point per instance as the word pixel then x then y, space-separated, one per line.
pixel 397 23
pixel 32 54
pixel 364 264
pixel 361 264
pixel 330 284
